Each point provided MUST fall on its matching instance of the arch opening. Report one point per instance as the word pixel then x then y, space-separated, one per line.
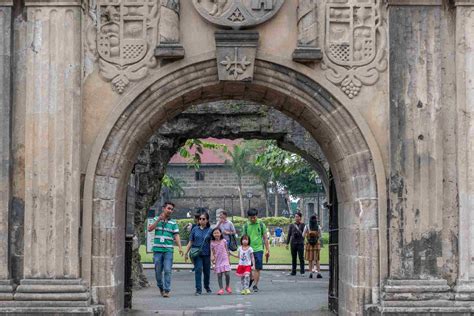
pixel 344 141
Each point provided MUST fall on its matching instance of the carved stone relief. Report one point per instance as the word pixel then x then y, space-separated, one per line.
pixel 308 48
pixel 355 41
pixel 169 46
pixel 236 51
pixel 126 34
pixel 237 13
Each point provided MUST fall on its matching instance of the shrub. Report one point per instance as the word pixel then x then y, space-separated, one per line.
pixel 182 224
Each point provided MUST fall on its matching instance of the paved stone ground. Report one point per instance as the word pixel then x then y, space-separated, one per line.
pixel 279 294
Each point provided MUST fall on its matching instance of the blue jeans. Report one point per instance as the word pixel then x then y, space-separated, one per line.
pixel 163 262
pixel 202 264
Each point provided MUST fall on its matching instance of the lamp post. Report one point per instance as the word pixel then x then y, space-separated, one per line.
pixel 318 189
pixel 232 206
pixel 249 196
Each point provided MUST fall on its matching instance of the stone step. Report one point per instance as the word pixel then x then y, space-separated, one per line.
pixel 417 296
pixel 51 296
pixel 36 288
pixel 52 282
pixel 426 303
pixel 458 311
pixel 9 304
pixel 434 282
pixel 416 288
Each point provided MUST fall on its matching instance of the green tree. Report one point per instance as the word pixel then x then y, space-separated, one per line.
pixel 174 185
pixel 239 162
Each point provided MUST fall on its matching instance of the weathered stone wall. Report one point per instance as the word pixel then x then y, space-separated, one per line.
pixel 219 181
pixel 424 217
pixel 76 110
pixel 6 290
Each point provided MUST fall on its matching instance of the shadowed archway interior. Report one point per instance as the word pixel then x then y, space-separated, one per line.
pixel 294 94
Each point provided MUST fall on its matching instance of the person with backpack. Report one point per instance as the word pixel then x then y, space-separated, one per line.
pixel 257 232
pixel 312 233
pixel 296 240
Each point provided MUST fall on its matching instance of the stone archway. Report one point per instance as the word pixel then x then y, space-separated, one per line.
pixel 343 136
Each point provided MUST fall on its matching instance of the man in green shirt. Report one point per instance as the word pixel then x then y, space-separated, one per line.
pixel 257 231
pixel 166 231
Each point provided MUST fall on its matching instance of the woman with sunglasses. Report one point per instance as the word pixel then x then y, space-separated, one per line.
pixel 199 239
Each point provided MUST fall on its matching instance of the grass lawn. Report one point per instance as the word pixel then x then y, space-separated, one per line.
pixel 278 255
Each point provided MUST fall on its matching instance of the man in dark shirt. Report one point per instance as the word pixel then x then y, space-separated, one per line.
pixel 296 241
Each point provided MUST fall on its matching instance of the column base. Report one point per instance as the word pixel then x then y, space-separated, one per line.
pixel 464 290
pixel 51 297
pixel 6 290
pixel 170 51
pixel 304 54
pixel 420 297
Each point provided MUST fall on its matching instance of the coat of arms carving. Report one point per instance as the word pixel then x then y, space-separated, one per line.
pixel 354 44
pixel 126 38
pixel 237 13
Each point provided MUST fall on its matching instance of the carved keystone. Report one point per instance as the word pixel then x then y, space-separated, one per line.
pixel 235 52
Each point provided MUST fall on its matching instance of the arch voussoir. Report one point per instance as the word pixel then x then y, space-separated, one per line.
pixel 287 90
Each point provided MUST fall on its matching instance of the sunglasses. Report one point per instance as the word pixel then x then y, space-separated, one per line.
pixel 202 218
pixel 170 208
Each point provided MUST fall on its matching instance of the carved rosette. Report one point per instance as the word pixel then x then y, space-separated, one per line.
pixel 355 40
pixel 126 34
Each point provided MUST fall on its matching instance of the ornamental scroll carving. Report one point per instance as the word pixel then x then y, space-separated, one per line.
pixel 126 33
pixel 355 40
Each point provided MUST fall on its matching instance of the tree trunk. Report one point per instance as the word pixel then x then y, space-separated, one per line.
pixel 267 204
pixel 241 199
pixel 276 201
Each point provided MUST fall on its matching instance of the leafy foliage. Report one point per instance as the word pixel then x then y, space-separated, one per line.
pixel 199 144
pixel 174 185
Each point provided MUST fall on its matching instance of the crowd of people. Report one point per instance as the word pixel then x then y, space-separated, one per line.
pixel 211 247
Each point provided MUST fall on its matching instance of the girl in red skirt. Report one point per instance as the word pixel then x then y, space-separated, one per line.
pixel 246 260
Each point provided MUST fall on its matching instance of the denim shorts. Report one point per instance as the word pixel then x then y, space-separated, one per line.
pixel 258 260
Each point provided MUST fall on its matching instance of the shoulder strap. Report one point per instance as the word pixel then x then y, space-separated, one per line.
pixel 261 227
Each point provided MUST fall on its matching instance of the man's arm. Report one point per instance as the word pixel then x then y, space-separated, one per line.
pixel 153 226
pixel 290 232
pixel 177 240
pixel 232 231
pixel 267 244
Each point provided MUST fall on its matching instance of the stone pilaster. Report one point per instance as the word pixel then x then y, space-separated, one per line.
pixel 422 214
pixel 52 158
pixel 169 46
pixel 308 47
pixel 6 288
pixel 465 148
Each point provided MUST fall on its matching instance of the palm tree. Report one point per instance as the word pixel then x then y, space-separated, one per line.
pixel 264 176
pixel 239 162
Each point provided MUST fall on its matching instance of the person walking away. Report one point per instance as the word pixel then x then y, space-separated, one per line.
pixel 277 235
pixel 200 238
pixel 296 242
pixel 312 233
pixel 166 231
pixel 257 232
pixel 246 261
pixel 227 227
pixel 220 259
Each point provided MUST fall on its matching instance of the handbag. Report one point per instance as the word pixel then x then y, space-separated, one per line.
pixel 232 242
pixel 195 252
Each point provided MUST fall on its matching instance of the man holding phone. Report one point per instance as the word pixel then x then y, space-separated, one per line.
pixel 166 231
